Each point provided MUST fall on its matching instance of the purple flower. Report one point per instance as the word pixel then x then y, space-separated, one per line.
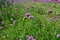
pixel 56 18
pixel 50 11
pixel 12 0
pixel 43 1
pixel 14 21
pixel 27 36
pixel 54 1
pixel 31 17
pixel 58 35
pixel 30 37
pixel 27 14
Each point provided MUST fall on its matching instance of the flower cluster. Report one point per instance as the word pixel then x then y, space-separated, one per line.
pixel 54 18
pixel 30 37
pixel 28 15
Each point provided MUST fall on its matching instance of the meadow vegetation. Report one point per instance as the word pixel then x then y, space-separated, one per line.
pixel 37 21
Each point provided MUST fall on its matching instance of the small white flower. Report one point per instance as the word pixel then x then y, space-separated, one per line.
pixel 51 20
pixel 11 19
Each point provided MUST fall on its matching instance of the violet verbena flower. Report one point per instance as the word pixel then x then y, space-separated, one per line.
pixel 56 18
pixel 58 35
pixel 50 11
pixel 27 14
pixel 54 1
pixel 14 21
pixel 30 38
pixel 31 17
pixel 12 0
pixel 43 1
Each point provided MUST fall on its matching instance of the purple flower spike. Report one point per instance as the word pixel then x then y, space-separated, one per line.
pixel 50 11
pixel 58 35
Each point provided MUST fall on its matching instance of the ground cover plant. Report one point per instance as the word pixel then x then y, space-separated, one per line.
pixel 30 21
